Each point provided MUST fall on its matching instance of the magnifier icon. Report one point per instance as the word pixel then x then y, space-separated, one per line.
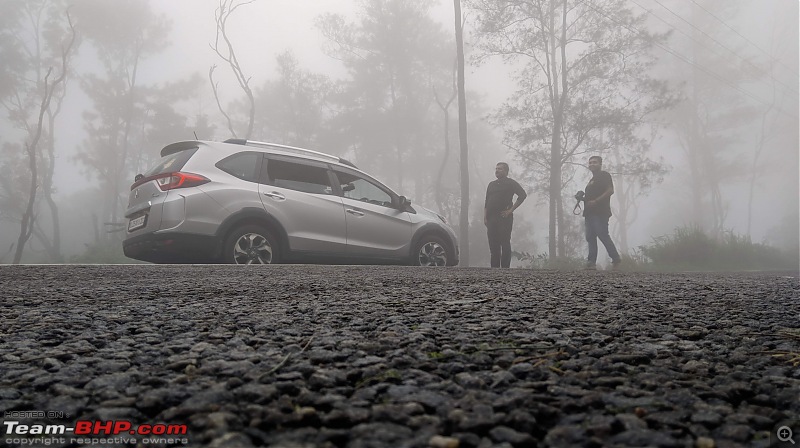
pixel 785 434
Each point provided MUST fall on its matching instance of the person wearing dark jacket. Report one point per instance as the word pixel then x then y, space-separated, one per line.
pixel 498 214
pixel 598 211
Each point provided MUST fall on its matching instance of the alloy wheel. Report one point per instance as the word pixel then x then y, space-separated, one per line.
pixel 432 254
pixel 252 248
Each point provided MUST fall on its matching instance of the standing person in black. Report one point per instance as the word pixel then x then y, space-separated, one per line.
pixel 598 211
pixel 498 214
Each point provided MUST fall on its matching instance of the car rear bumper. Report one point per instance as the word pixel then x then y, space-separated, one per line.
pixel 171 247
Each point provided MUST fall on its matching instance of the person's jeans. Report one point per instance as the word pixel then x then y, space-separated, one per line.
pixel 498 229
pixel 597 228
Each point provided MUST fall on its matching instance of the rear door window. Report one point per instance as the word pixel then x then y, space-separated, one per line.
pixel 300 176
pixel 244 165
pixel 171 163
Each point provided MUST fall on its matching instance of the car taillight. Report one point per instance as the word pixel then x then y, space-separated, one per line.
pixel 171 181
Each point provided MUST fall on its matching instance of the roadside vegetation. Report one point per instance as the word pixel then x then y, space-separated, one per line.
pixel 103 252
pixel 689 248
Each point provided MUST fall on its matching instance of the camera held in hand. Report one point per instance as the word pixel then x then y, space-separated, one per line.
pixel 579 196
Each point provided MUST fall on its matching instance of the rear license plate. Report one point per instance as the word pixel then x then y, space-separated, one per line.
pixel 137 223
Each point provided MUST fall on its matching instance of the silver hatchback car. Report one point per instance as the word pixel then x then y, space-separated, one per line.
pixel 248 202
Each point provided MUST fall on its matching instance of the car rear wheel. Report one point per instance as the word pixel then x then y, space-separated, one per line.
pixel 250 245
pixel 430 251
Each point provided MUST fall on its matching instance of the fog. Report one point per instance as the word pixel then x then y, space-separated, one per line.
pixel 711 85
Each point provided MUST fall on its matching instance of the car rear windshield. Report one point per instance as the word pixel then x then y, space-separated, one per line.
pixel 171 163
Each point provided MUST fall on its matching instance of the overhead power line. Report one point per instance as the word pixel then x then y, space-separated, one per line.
pixel 684 59
pixel 757 68
pixel 766 53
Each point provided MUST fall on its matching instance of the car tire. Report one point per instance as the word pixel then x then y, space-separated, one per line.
pixel 251 244
pixel 431 250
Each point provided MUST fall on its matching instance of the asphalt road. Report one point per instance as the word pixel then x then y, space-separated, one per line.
pixel 398 356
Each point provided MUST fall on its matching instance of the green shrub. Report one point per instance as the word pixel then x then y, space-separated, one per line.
pixel 689 248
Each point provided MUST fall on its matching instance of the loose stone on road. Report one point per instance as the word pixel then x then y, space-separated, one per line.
pixel 366 356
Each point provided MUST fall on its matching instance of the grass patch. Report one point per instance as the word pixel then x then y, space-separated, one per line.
pixel 790 356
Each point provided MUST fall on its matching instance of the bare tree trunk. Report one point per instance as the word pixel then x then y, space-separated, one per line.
pixel 718 208
pixel 623 201
pixel 28 217
pixel 53 247
pixel 28 220
pixel 762 140
pixel 555 175
pixel 753 176
pixel 40 236
pixel 399 144
pixel 47 189
pixel 120 174
pixel 462 134
pixel 562 245
pixel 215 89
pixel 446 112
pixel 96 229
pixel 558 101
pixel 221 16
pixel 26 224
pixel 439 194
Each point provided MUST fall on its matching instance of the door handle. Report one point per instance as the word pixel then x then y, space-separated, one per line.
pixel 354 212
pixel 276 195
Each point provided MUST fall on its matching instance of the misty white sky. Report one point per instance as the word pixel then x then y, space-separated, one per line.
pixel 264 29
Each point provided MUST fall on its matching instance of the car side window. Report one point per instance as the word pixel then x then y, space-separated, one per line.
pixel 364 190
pixel 244 165
pixel 297 176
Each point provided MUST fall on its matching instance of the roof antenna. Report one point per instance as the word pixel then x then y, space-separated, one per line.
pixel 195 135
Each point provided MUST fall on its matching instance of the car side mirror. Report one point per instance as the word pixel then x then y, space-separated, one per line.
pixel 138 177
pixel 404 202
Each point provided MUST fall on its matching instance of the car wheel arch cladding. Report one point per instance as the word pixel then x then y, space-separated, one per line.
pixel 256 217
pixel 432 230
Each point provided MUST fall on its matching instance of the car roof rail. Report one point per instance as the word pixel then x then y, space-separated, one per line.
pixel 291 149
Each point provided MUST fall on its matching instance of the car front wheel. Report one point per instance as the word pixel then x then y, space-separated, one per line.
pixel 250 245
pixel 430 251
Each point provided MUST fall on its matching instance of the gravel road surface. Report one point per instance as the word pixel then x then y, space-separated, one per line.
pixel 351 356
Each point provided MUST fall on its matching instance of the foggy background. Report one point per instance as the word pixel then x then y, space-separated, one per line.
pixel 692 103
